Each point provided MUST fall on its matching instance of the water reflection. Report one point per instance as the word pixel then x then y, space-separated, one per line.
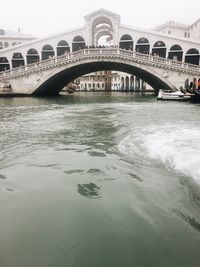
pixel 3 177
pixel 191 220
pixel 90 190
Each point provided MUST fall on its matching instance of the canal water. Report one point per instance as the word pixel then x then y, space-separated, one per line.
pixel 99 180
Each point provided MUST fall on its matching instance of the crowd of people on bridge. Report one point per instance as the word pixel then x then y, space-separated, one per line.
pixel 100 46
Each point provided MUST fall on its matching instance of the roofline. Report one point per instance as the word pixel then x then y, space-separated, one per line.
pixel 189 40
pixel 101 10
pixel 19 38
pixel 41 39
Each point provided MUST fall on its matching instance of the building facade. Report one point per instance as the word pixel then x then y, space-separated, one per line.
pixel 12 38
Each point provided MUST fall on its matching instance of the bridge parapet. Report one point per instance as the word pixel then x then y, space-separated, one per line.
pixel 100 54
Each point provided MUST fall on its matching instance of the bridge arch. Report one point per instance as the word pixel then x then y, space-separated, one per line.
pixel 126 42
pixel 159 49
pixel 32 56
pixel 62 48
pixel 78 43
pixel 192 56
pixel 102 37
pixel 47 52
pixel 101 24
pixel 143 46
pixel 176 53
pixel 57 79
pixel 17 60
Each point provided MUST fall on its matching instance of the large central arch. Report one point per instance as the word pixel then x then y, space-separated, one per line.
pixel 51 85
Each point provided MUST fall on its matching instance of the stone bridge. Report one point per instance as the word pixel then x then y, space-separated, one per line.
pixel 49 76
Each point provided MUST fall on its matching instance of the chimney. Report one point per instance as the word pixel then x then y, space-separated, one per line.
pixel 19 30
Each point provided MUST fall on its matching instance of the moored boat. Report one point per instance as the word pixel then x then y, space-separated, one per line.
pixel 173 95
pixel 196 95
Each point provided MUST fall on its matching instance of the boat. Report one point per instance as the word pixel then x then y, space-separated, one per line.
pixel 196 95
pixel 173 95
pixel 70 91
pixel 190 90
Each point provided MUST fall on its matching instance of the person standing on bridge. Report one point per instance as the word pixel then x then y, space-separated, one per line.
pixel 199 83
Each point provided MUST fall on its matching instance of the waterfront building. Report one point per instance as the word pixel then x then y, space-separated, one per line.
pixel 100 80
pixel 180 30
pixel 126 82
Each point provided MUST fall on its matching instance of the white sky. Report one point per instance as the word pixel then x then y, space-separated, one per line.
pixel 44 17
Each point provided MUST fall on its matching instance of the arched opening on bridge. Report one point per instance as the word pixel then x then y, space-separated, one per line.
pixel 176 53
pixel 17 60
pixel 192 56
pixel 62 48
pixel 32 56
pixel 102 31
pixel 6 44
pixel 103 39
pixel 159 49
pixel 1 45
pixel 78 43
pixel 4 64
pixel 126 42
pixel 143 46
pixel 47 52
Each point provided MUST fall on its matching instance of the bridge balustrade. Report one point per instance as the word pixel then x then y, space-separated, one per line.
pixel 51 62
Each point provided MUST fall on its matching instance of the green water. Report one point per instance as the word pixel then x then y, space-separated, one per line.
pixel 99 180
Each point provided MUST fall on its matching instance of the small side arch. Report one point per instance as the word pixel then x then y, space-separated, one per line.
pixel 32 56
pixel 62 48
pixel 143 46
pixel 176 53
pixel 78 43
pixel 159 49
pixel 4 64
pixel 192 56
pixel 47 52
pixel 17 60
pixel 126 42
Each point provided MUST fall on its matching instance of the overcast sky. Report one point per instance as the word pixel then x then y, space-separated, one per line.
pixel 45 17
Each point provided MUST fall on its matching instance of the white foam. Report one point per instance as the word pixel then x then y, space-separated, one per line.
pixel 176 145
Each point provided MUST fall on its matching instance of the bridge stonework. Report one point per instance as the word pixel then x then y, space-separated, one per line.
pixel 41 77
pixel 45 66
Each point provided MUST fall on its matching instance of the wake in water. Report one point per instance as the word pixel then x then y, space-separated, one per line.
pixel 176 145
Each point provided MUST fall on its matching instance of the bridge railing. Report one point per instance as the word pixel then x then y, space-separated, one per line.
pixel 144 58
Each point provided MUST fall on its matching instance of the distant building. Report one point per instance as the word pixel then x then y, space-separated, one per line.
pixel 100 80
pixel 126 82
pixel 11 38
pixel 195 30
pixel 180 30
